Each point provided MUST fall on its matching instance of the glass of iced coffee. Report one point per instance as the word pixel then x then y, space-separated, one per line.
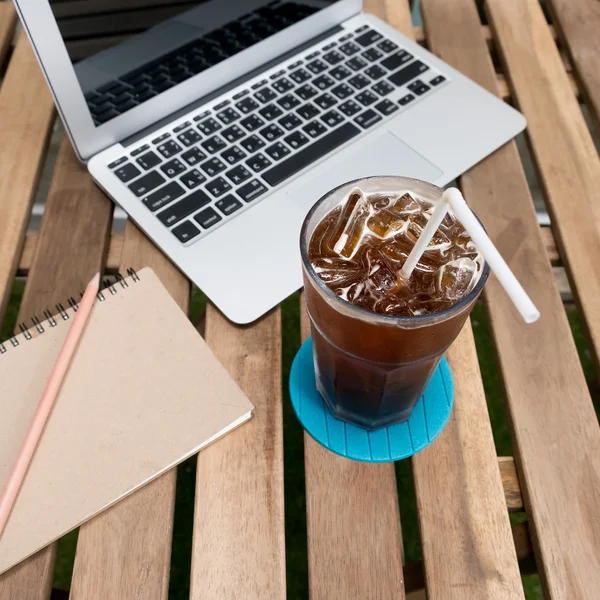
pixel 377 339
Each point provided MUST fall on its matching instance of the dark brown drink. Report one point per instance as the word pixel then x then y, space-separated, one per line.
pixel 377 340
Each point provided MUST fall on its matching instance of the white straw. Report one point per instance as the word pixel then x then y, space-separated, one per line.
pixel 505 276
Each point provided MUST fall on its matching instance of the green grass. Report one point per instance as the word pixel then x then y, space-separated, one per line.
pixel 295 506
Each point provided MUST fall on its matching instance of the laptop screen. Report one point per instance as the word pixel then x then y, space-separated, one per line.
pixel 126 52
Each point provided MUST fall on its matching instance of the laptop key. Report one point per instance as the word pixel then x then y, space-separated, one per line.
pixel 284 169
pixel 228 116
pixel 314 129
pixel 213 144
pixel 252 123
pixel 308 111
pixel 367 98
pixel 372 54
pixel 233 134
pixel 258 163
pixel 277 151
pixel 192 179
pixel 233 155
pixel 169 148
pixel 238 174
pixel 396 60
pixel 386 107
pixel 271 132
pixel 368 38
pixel 288 102
pixel 146 183
pixel 207 218
pixel 252 143
pixel 306 92
pixel 127 172
pixel 325 101
pixel 228 205
pixel 209 126
pixel 340 73
pixel 349 108
pixel 437 80
pixel 342 91
pixel 270 112
pixel 193 156
pixel 296 139
pixel 406 99
pixel 165 195
pixel 186 231
pixel 290 122
pixel 333 57
pixel 387 46
pixel 116 163
pixel 368 118
pixel 189 137
pixel 265 95
pixel 212 167
pixel 184 208
pixel 375 72
pixel 317 66
pixel 359 81
pixel 383 88
pixel 252 190
pixel 407 74
pixel 247 105
pixel 217 187
pixel 300 76
pixel 418 87
pixel 283 85
pixel 140 150
pixel 349 48
pixel 332 118
pixel 324 82
pixel 172 168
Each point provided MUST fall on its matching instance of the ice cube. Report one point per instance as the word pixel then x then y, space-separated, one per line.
pixel 384 223
pixel 349 241
pixel 455 277
pixel 406 205
pixel 347 210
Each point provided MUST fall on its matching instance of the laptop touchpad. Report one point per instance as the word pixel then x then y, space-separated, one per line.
pixel 382 155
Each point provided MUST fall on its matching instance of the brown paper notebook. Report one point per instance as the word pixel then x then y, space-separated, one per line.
pixel 143 393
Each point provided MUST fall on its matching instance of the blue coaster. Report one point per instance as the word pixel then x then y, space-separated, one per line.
pixel 430 415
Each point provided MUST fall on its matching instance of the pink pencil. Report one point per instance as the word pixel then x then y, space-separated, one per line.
pixel 42 412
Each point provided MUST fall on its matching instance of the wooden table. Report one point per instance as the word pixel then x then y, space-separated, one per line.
pixel 464 491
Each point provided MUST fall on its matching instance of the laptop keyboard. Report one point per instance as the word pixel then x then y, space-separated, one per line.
pixel 206 169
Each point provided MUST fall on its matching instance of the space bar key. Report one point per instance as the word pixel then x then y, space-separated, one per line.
pixel 310 154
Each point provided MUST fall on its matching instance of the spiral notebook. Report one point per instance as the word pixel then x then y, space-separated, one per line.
pixel 143 393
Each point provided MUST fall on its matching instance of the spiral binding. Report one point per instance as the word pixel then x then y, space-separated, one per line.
pixel 51 320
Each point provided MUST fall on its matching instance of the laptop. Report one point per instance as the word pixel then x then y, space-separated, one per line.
pixel 217 124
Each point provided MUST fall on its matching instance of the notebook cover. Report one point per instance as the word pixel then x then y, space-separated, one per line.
pixel 143 393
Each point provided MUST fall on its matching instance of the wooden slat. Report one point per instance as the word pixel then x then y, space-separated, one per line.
pixel 62 265
pixel 8 21
pixel 550 245
pixel 562 146
pixel 239 533
pixel 510 483
pixel 578 23
pixel 26 113
pixel 419 33
pixel 125 552
pixel 554 425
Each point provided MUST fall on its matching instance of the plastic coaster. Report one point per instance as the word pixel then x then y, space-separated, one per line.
pixel 387 444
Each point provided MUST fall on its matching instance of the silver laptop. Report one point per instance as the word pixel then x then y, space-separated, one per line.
pixel 216 125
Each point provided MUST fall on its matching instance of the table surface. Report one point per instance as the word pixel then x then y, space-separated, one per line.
pixel 464 491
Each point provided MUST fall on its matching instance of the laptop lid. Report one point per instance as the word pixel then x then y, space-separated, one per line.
pixel 115 67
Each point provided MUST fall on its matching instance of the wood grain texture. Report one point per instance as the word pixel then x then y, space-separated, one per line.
pixel 72 242
pixel 562 146
pixel 510 483
pixel 125 552
pixel 239 531
pixel 8 21
pixel 26 114
pixel 578 24
pixel 556 432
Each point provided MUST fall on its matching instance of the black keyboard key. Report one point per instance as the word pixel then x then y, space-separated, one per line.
pixel 146 183
pixel 359 81
pixel 228 116
pixel 317 66
pixel 420 90
pixel 271 132
pixel 368 38
pixel 169 148
pixel 387 46
pixel 213 144
pixel 367 98
pixel 437 80
pixel 116 163
pixel 342 91
pixel 308 111
pixel 140 150
pixel 350 108
pixel 233 155
pixel 258 163
pixel 282 170
pixel 375 72
pixel 181 127
pixel 372 54
pixel 277 151
pixel 300 76
pixel 192 179
pixel 314 129
pixel 312 55
pixel 259 84
pixel 406 99
pixel 207 218
pixel 240 94
pixel 252 123
pixel 368 118
pixel 270 112
pixel 165 195
pixel 383 88
pixel 332 118
pixel 209 126
pixel 340 73
pixel 296 139
pixel 283 85
pixel 186 231
pixel 324 82
pixel 233 134
pixel 252 143
pixel 252 190
pixel 409 72
pixel 290 122
pixel 193 156
pixel 238 174
pixel 386 107
pixel 247 105
pixel 212 167
pixel 325 101
pixel 127 172
pixel 396 60
pixel 189 137
pixel 217 187
pixel 349 48
pixel 184 208
pixel 228 205
pixel 161 138
pixel 172 168
pixel 265 95
pixel 306 92
pixel 333 57
pixel 288 102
